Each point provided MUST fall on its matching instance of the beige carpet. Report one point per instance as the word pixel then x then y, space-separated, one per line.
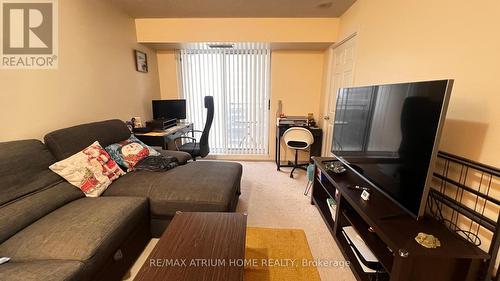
pixel 272 199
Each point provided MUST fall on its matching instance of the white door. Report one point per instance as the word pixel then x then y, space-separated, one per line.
pixel 340 74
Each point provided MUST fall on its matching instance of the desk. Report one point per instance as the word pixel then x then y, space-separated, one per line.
pixel 315 149
pixel 163 138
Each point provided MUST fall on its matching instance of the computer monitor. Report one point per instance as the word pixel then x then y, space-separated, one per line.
pixel 169 109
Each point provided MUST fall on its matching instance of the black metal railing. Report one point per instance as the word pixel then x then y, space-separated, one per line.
pixel 463 198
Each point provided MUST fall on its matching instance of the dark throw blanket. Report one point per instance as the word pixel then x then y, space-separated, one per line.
pixel 157 163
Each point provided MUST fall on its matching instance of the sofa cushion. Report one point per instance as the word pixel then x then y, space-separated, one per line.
pixel 87 230
pixel 41 271
pixel 201 186
pixel 20 213
pixel 24 168
pixel 198 186
pixel 137 184
pixel 66 142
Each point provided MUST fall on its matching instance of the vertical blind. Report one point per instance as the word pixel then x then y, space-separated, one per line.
pixel 238 79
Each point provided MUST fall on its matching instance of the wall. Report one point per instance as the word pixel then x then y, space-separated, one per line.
pixel 296 74
pixel 278 30
pixel 296 80
pixel 168 75
pixel 96 78
pixel 424 39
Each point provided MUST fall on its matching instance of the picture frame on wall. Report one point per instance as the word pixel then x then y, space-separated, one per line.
pixel 141 61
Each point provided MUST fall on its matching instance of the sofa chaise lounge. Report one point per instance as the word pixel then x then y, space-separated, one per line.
pixel 51 231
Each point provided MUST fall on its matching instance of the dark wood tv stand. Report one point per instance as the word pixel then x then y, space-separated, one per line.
pixel 389 232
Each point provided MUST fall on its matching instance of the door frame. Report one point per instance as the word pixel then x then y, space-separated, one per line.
pixel 325 151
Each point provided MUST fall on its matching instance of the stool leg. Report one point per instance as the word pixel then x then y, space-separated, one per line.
pixel 295 164
pixel 308 187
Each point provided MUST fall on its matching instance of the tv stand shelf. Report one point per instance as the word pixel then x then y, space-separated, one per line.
pixel 389 232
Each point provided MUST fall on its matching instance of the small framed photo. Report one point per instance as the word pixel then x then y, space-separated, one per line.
pixel 141 61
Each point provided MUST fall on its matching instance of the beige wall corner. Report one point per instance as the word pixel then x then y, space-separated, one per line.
pixel 425 40
pixel 96 78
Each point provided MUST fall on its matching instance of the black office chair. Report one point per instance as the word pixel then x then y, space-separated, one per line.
pixel 201 148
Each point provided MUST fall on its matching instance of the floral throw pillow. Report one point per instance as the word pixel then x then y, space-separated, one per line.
pixel 128 152
pixel 92 170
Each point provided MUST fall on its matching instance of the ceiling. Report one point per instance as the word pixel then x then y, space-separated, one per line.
pixel 233 8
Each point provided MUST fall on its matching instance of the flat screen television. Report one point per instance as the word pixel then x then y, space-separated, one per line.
pixel 169 109
pixel 389 135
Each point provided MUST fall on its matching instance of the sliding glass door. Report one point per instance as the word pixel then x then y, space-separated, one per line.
pixel 238 79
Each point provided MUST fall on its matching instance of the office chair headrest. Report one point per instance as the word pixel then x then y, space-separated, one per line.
pixel 209 101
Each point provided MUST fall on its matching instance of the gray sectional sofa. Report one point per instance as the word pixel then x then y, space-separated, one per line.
pixel 51 231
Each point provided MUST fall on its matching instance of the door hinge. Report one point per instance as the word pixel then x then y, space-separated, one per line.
pixel 269 104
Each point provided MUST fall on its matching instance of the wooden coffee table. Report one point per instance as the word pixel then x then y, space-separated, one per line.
pixel 198 246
